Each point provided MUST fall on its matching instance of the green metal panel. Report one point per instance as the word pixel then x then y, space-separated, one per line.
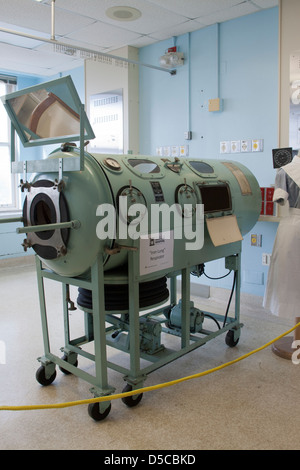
pixel 99 184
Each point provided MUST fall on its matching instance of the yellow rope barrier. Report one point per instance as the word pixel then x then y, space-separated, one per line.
pixel 145 389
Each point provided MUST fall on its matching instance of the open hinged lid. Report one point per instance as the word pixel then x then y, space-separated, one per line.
pixel 223 230
pixel 44 114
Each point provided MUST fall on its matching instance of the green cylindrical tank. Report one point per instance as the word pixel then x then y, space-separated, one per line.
pixel 224 188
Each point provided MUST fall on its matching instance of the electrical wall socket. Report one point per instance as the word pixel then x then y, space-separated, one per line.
pixel 266 259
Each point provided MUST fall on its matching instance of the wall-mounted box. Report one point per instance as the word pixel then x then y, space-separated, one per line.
pixel 214 105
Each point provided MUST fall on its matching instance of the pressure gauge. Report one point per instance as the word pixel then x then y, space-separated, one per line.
pixel 112 164
pixel 282 156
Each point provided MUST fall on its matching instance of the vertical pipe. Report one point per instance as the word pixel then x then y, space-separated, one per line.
pixel 53 20
pixel 279 72
pixel 218 60
pixel 189 83
pixel 185 305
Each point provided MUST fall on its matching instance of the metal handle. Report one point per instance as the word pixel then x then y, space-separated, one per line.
pixel 11 219
pixel 45 227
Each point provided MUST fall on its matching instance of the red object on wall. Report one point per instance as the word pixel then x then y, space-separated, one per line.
pixel 267 206
pixel 269 194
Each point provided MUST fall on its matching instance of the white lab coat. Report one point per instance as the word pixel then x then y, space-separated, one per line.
pixel 282 296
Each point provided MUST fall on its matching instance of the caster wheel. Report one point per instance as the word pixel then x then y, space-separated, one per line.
pixel 41 376
pixel 131 401
pixel 65 371
pixel 229 339
pixel 94 411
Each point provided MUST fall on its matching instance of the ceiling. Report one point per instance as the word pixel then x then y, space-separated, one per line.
pixel 86 24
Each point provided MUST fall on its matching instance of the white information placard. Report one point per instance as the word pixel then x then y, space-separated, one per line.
pixel 156 252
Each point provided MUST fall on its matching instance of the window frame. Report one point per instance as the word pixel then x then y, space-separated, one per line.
pixel 15 205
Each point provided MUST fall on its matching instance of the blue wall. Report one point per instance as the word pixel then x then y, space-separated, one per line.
pixel 237 61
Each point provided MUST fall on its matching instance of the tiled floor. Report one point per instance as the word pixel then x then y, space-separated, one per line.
pixel 248 405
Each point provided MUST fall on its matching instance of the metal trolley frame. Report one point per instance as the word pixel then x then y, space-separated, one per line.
pixel 97 331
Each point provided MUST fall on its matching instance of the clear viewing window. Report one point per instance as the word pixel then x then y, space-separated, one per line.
pixel 201 167
pixel 8 184
pixel 144 166
pixel 215 197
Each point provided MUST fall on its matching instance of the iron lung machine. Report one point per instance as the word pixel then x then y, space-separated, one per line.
pixel 126 282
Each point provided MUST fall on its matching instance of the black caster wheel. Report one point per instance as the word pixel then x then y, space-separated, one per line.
pixel 41 376
pixel 65 371
pixel 131 400
pixel 94 411
pixel 229 339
